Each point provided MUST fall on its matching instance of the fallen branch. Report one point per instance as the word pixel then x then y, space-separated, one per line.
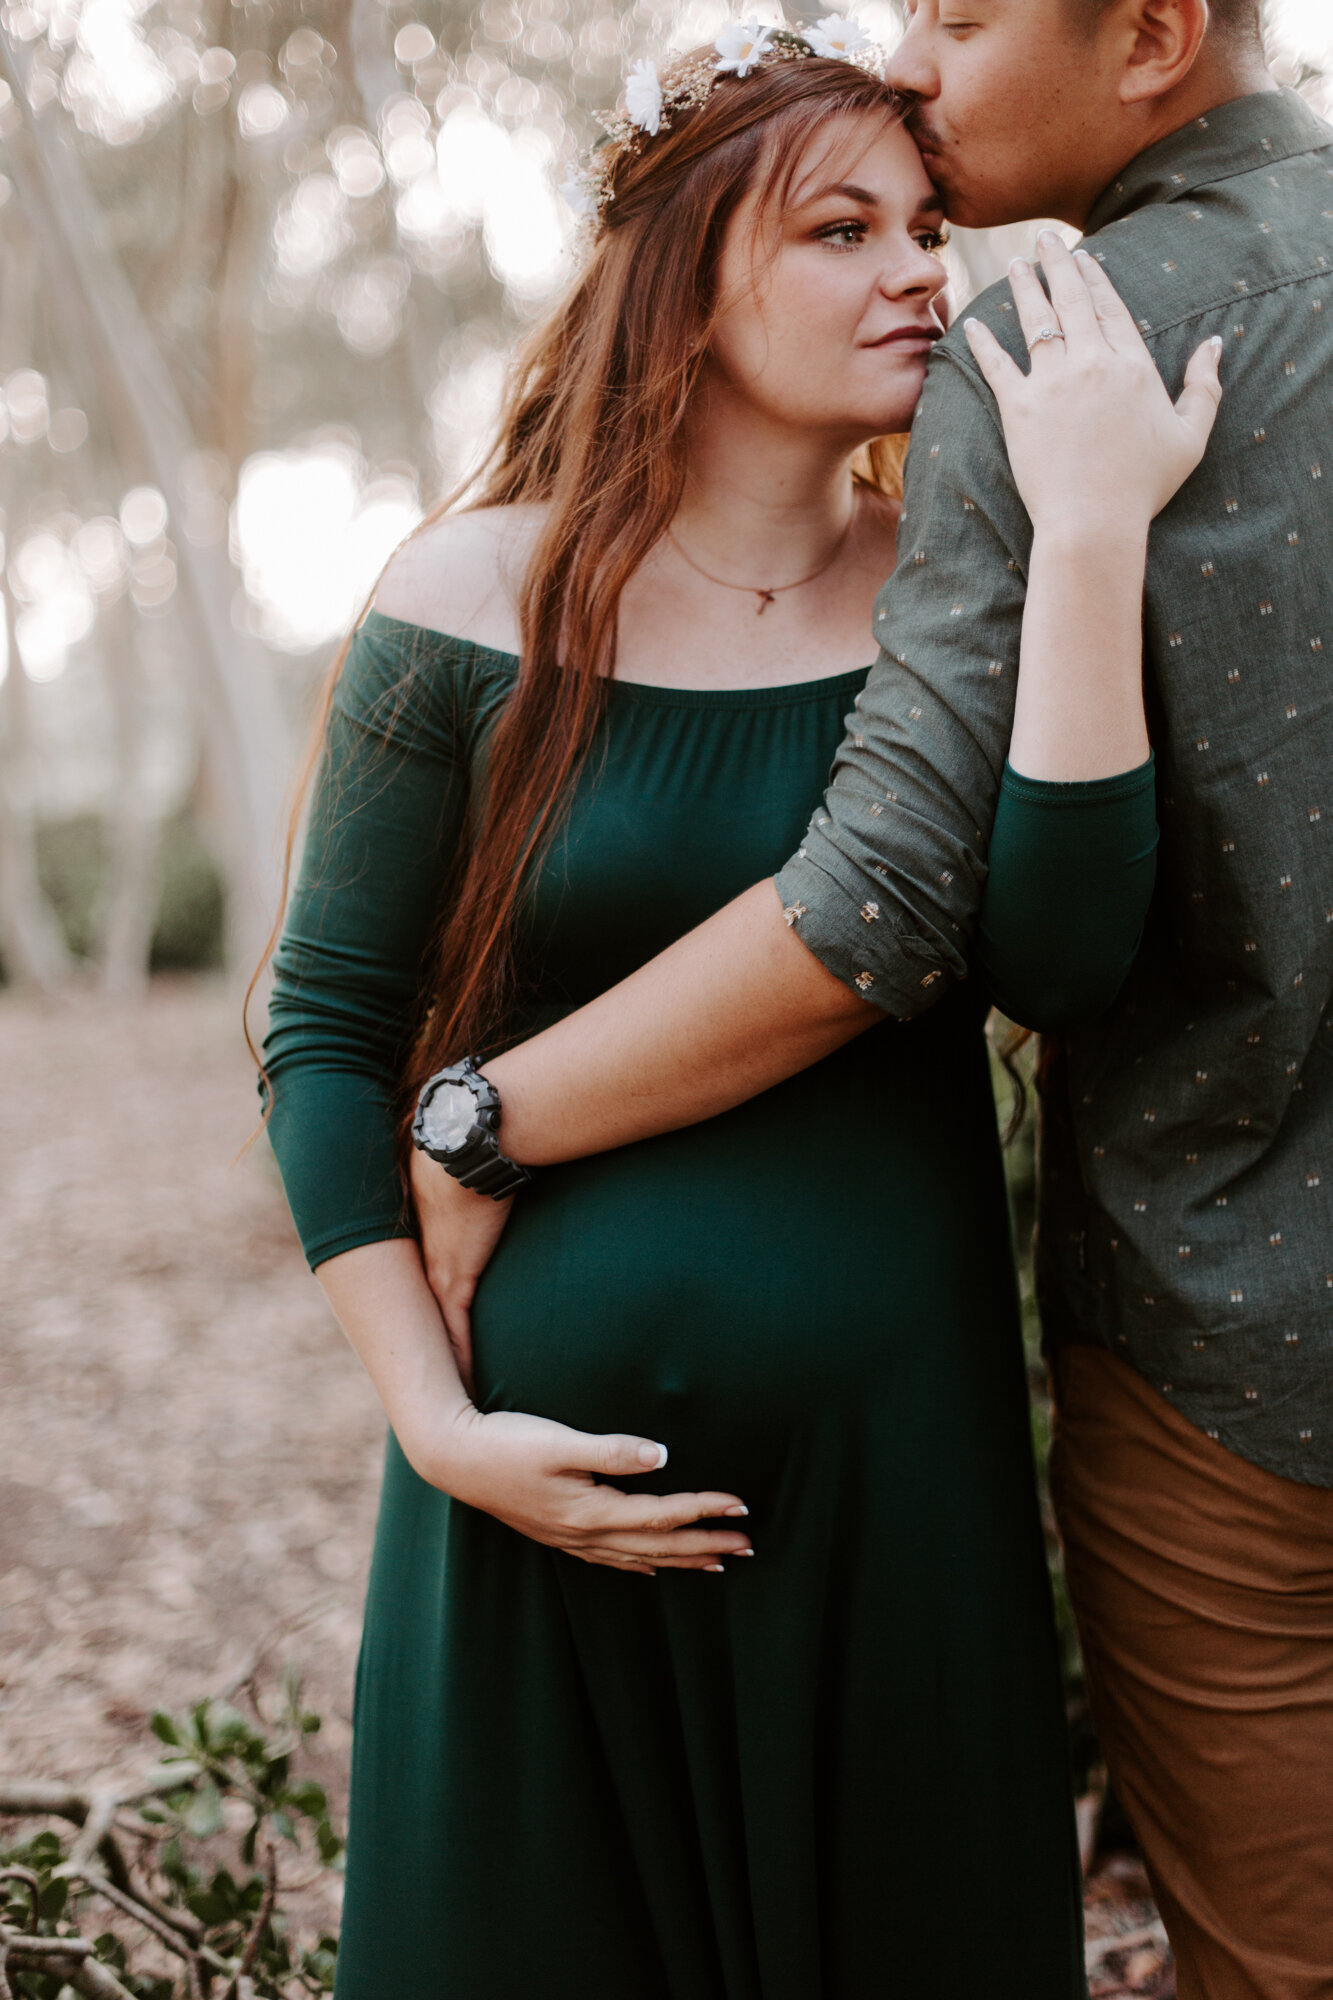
pixel 36 1798
pixel 133 1906
pixel 265 1911
pixel 67 1958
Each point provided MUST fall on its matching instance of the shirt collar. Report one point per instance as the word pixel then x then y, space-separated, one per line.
pixel 1233 138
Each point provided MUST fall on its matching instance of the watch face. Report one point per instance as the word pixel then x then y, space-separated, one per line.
pixel 448 1118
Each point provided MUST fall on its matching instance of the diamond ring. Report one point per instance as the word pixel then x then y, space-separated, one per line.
pixel 1047 333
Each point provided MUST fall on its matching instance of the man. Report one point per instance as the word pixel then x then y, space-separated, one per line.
pixel 1186 1250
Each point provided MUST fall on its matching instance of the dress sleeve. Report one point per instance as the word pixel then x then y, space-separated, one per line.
pixel 383 840
pixel 1072 868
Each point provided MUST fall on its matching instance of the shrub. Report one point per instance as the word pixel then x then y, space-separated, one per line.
pixel 189 926
pixel 184 1865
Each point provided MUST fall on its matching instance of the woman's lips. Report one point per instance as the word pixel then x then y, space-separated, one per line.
pixel 914 339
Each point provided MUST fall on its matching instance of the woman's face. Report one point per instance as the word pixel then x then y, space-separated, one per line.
pixel 829 308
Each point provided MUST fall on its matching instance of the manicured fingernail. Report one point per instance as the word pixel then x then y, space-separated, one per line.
pixel 1021 265
pixel 1216 343
pixel 742 1552
pixel 968 324
pixel 734 1513
pixel 1086 255
pixel 716 1569
pixel 1048 239
pixel 653 1456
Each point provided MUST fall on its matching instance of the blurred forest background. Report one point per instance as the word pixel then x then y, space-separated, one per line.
pixel 263 261
pixel 261 264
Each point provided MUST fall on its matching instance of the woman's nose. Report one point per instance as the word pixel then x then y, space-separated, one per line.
pixel 917 274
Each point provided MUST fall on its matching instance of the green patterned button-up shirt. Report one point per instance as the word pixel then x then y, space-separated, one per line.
pixel 1187 1150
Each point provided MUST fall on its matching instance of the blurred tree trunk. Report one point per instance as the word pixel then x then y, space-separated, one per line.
pixel 34 947
pixel 375 74
pixel 128 907
pixel 106 336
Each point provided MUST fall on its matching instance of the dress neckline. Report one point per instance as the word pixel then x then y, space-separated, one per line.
pixel 652 693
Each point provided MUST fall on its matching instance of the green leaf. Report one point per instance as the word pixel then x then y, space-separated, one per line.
pixel 209 1907
pixel 51 1902
pixel 330 1847
pixel 174 1866
pixel 203 1815
pixel 279 1768
pixel 282 1823
pixel 318 1965
pixel 227 1727
pixel 164 1728
pixel 110 1950
pixel 308 1798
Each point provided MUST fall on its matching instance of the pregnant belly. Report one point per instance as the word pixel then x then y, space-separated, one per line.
pixel 839 1245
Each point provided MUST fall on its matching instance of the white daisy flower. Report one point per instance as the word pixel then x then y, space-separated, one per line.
pixel 643 97
pixel 836 35
pixel 740 46
pixel 577 194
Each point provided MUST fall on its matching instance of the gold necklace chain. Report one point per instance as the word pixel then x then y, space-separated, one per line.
pixel 765 594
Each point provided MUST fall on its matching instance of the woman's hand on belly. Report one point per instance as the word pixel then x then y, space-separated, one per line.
pixel 544 1479
pixel 547 1481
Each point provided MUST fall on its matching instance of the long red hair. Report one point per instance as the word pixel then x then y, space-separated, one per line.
pixel 594 428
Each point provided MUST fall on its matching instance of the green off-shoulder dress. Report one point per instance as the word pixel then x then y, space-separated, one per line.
pixel 837 1771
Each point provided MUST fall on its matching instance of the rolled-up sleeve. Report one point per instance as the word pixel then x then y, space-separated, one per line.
pixel 887 882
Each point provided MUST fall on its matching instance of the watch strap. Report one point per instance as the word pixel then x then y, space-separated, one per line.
pixel 486 1170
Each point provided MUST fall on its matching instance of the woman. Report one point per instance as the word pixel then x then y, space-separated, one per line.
pixel 782 1784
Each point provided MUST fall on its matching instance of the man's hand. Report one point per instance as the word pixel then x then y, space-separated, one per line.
pixel 459 1232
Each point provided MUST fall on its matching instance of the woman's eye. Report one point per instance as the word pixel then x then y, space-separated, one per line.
pixel 932 239
pixel 844 235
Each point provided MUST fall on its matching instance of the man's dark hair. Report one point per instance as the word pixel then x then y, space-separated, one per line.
pixel 1237 20
pixel 1237 17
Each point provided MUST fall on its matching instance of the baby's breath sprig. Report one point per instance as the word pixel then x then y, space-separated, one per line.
pixel 654 97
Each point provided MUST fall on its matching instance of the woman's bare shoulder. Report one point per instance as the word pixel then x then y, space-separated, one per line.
pixel 463 573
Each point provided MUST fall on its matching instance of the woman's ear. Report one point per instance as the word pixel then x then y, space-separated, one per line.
pixel 1167 37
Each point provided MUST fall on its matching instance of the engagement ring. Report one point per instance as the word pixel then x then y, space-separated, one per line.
pixel 1047 333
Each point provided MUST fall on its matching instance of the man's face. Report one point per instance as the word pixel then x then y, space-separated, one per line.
pixel 1015 105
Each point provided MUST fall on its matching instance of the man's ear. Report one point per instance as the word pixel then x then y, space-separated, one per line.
pixel 1168 35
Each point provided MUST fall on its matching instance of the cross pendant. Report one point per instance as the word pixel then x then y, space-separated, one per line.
pixel 765 599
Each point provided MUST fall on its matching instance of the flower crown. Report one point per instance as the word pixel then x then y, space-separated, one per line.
pixel 653 98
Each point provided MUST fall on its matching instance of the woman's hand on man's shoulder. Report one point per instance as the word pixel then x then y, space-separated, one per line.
pixel 463 573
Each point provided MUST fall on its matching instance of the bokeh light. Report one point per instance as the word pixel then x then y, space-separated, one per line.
pixel 311 532
pixel 336 240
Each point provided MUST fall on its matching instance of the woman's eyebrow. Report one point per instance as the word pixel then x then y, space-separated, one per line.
pixel 845 191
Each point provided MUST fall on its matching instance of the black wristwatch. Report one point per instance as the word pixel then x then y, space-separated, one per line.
pixel 458 1116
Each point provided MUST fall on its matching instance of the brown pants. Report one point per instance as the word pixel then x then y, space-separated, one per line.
pixel 1203 1589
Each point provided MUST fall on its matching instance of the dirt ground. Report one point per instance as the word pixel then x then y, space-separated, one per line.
pixel 189 1453
pixel 188 1449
